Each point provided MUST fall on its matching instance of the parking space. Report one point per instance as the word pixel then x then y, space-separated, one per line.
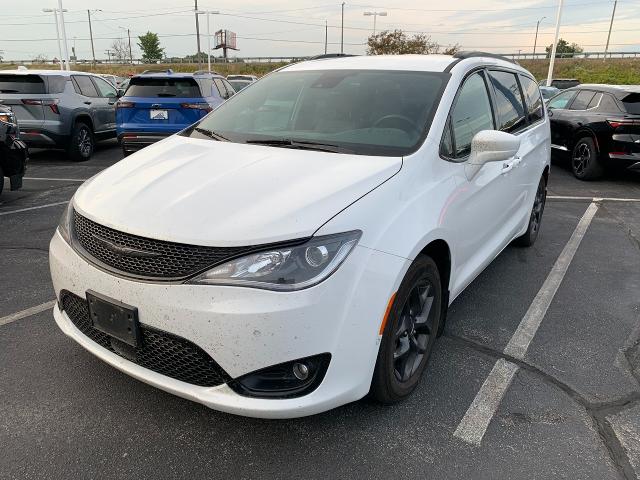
pixel 566 408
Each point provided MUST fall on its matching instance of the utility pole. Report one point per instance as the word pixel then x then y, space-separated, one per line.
pixel 108 55
pixel 555 44
pixel 197 31
pixel 326 35
pixel 55 18
pixel 342 31
pixel 93 52
pixel 613 14
pixel 64 34
pixel 535 42
pixel 130 54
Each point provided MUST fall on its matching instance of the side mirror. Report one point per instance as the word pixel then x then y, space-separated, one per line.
pixel 120 93
pixel 491 146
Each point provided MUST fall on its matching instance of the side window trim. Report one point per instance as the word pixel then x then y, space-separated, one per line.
pixel 494 100
pixel 482 71
pixel 526 102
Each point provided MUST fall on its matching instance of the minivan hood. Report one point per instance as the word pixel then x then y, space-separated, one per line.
pixel 211 193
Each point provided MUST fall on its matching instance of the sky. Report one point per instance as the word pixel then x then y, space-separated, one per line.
pixel 297 27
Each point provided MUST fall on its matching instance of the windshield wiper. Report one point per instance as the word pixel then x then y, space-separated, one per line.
pixel 211 134
pixel 301 144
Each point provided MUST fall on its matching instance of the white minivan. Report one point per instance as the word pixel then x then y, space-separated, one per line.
pixel 298 247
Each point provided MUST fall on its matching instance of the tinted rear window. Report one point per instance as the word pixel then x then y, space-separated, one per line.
pixel 163 87
pixel 56 83
pixel 21 84
pixel 632 103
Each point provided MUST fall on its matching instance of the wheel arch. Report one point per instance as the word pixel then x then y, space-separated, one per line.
pixel 583 132
pixel 440 252
pixel 84 118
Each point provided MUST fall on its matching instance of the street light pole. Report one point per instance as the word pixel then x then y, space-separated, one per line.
pixel 342 31
pixel 535 42
pixel 208 13
pixel 375 15
pixel 64 34
pixel 326 35
pixel 555 44
pixel 197 31
pixel 130 54
pixel 613 14
pixel 55 18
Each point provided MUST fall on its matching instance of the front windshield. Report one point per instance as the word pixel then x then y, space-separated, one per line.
pixel 365 112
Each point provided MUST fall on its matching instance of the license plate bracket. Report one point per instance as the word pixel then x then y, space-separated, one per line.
pixel 114 318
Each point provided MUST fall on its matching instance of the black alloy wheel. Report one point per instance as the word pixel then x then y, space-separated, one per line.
pixel 530 236
pixel 410 332
pixel 585 163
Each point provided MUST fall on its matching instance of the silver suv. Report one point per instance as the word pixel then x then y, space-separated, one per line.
pixel 59 109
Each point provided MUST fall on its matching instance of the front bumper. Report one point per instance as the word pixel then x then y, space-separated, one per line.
pixel 245 329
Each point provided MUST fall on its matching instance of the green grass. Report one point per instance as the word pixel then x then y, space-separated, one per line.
pixel 615 71
pixel 621 71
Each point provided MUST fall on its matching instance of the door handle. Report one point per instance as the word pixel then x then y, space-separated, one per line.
pixel 507 166
pixel 87 103
pixel 516 161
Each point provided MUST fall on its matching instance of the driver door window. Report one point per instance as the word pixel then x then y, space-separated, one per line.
pixel 561 100
pixel 105 90
pixel 470 114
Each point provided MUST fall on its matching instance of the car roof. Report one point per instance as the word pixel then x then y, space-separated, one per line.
pixel 615 89
pixel 426 63
pixel 64 73
pixel 172 74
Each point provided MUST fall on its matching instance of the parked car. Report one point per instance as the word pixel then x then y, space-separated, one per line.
pixel 250 78
pixel 114 80
pixel 562 83
pixel 299 246
pixel 60 109
pixel 240 84
pixel 548 92
pixel 158 104
pixel 13 152
pixel 599 126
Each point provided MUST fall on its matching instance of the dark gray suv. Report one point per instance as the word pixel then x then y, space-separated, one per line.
pixel 60 109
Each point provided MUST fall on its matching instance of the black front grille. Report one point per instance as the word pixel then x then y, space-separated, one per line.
pixel 145 257
pixel 160 351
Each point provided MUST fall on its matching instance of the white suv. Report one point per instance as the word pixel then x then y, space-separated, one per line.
pixel 299 246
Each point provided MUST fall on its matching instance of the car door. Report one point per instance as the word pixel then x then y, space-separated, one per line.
pixel 478 214
pixel 90 98
pixel 107 103
pixel 559 118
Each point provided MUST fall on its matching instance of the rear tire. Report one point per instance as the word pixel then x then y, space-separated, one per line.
pixel 126 153
pixel 409 333
pixel 530 236
pixel 585 163
pixel 82 143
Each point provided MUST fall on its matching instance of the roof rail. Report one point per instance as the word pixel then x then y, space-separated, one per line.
pixel 164 70
pixel 202 72
pixel 473 54
pixel 332 55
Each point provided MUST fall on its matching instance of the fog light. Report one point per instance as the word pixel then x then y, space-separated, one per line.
pixel 300 370
pixel 286 380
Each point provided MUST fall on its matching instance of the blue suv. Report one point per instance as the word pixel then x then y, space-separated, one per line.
pixel 160 103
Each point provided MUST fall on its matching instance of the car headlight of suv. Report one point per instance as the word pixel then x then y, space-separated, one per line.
pixel 285 268
pixel 64 227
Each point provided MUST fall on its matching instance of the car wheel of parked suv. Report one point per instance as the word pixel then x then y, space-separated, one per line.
pixel 82 143
pixel 530 236
pixel 584 160
pixel 409 333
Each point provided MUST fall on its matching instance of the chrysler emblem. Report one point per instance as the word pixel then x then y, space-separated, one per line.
pixel 123 251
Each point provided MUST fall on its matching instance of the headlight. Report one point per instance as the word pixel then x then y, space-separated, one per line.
pixel 286 268
pixel 64 227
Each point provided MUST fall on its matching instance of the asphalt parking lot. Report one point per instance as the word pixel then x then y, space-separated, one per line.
pixel 571 407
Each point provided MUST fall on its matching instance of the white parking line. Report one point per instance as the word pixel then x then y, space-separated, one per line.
pixel 33 208
pixel 27 313
pixel 592 199
pixel 476 420
pixel 57 179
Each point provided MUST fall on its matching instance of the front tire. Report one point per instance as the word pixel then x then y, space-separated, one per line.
pixel 410 332
pixel 530 236
pixel 82 143
pixel 585 163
